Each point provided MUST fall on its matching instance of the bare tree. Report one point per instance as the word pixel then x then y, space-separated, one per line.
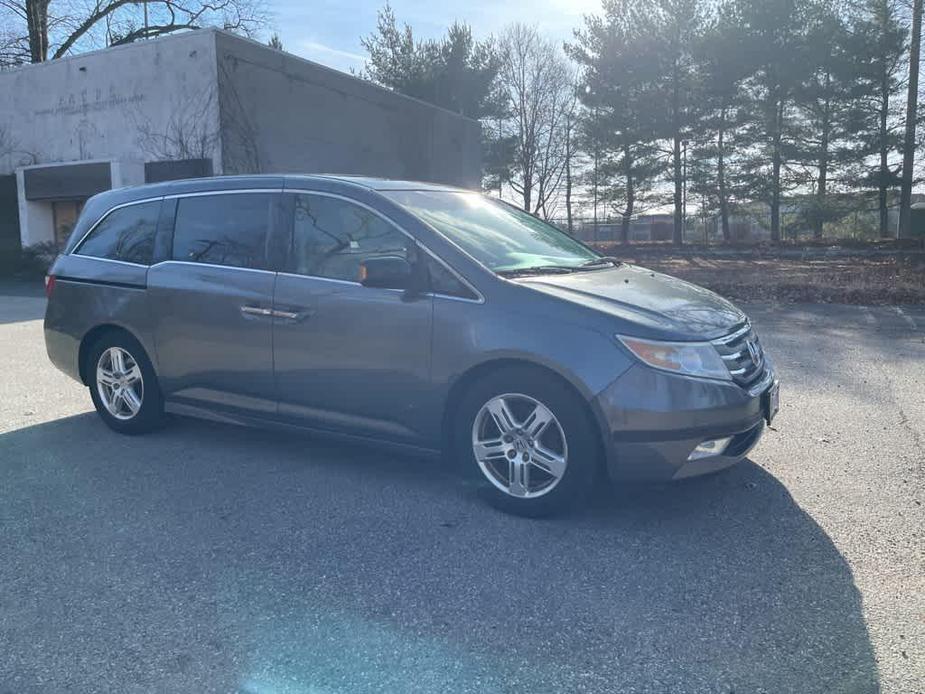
pixel 536 81
pixel 40 30
pixel 571 151
pixel 11 155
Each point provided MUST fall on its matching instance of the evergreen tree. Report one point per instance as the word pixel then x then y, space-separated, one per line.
pixel 675 26
pixel 775 36
pixel 829 115
pixel 454 72
pixel 877 45
pixel 720 56
pixel 623 98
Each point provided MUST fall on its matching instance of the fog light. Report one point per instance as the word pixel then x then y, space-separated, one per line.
pixel 710 448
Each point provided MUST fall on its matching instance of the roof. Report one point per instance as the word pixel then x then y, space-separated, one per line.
pixel 192 185
pixel 376 183
pixel 329 182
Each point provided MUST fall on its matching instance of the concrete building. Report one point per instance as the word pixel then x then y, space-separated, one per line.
pixel 202 103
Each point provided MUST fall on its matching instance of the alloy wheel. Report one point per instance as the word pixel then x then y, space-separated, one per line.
pixel 519 445
pixel 119 383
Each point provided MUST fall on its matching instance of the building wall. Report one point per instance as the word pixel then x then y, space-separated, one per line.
pixel 142 102
pixel 280 113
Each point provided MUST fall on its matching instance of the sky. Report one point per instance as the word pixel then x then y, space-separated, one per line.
pixel 329 32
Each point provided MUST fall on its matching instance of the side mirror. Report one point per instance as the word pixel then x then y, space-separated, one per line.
pixel 386 272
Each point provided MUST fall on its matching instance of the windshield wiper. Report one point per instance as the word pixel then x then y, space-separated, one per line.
pixel 539 270
pixel 600 262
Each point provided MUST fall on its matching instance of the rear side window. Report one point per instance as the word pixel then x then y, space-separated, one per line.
pixel 332 237
pixel 224 229
pixel 126 234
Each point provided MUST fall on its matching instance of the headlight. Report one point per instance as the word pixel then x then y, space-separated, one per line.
pixel 689 358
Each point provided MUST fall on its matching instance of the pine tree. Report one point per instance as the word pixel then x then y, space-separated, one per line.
pixel 878 44
pixel 775 36
pixel 828 115
pixel 623 99
pixel 455 72
pixel 675 26
pixel 720 56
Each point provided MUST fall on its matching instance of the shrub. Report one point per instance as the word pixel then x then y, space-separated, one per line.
pixel 31 262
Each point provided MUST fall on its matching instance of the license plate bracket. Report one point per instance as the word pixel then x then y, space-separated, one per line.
pixel 770 402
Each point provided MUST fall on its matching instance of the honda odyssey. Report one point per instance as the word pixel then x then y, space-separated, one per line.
pixel 409 314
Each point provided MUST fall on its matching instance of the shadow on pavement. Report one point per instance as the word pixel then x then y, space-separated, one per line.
pixel 211 558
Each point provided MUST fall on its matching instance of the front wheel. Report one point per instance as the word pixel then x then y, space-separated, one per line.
pixel 123 385
pixel 531 440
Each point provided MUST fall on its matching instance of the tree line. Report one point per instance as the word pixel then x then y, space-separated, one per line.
pixel 730 102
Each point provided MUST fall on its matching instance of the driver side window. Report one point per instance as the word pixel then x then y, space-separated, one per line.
pixel 332 237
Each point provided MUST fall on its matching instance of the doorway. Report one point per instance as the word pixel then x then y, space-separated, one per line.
pixel 9 215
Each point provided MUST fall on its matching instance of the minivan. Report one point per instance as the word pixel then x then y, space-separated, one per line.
pixel 404 314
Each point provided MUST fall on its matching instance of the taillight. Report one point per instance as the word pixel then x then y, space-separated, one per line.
pixel 49 285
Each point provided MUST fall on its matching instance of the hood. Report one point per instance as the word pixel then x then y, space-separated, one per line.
pixel 653 305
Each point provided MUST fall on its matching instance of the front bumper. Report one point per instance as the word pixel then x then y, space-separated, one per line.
pixel 653 421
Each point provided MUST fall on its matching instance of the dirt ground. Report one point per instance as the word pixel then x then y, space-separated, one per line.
pixel 870 279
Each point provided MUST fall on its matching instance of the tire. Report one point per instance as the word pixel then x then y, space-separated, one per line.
pixel 563 459
pixel 140 407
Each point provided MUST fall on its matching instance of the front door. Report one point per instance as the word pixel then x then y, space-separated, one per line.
pixel 64 216
pixel 348 358
pixel 211 304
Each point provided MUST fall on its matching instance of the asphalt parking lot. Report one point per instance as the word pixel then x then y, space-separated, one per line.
pixel 210 558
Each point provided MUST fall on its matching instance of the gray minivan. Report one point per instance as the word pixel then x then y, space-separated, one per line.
pixel 408 314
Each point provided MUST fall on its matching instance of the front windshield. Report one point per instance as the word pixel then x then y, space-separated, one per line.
pixel 499 236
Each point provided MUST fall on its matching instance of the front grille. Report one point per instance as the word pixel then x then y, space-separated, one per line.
pixel 741 352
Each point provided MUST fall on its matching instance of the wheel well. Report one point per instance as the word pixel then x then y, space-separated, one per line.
pixel 89 340
pixel 465 381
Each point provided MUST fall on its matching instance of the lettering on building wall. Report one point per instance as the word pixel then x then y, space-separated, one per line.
pixel 90 101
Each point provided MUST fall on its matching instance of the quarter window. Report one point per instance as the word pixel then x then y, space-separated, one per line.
pixel 126 234
pixel 227 229
pixel 442 281
pixel 332 237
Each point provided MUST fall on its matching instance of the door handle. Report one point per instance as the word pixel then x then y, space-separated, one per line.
pixel 290 315
pixel 256 311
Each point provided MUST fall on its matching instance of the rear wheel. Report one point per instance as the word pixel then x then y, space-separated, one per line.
pixel 123 384
pixel 530 439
